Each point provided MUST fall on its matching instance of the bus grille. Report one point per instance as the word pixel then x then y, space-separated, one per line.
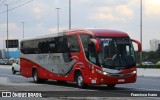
pixel 120 75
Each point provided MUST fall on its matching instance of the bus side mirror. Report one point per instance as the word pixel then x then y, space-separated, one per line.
pixel 139 45
pixel 96 44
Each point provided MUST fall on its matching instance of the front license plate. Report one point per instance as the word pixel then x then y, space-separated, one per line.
pixel 121 80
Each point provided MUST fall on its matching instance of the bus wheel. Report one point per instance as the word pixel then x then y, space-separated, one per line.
pixel 111 86
pixel 35 76
pixel 79 81
pixel 36 79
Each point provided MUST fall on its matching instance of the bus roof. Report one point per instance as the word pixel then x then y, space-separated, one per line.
pixel 108 33
pixel 99 32
pixel 46 36
pixel 93 32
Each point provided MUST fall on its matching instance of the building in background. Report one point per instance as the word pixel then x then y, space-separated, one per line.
pixel 154 44
pixel 3 53
pixel 12 54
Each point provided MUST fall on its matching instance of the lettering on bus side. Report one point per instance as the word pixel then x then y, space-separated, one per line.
pixel 54 58
pixel 48 58
pixel 40 58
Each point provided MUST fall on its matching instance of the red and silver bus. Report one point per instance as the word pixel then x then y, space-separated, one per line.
pixel 84 56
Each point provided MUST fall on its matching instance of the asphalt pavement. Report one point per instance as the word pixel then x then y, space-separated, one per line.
pixel 144 85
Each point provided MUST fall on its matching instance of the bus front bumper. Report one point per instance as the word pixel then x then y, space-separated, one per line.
pixel 114 79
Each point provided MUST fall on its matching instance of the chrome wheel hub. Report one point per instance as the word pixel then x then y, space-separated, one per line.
pixel 80 80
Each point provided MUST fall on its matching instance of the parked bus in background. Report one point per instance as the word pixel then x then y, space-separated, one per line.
pixel 84 56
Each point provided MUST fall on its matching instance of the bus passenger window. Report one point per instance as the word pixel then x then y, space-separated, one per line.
pixel 60 44
pixel 73 44
pixel 52 46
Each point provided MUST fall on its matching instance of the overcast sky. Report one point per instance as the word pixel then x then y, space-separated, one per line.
pixel 40 17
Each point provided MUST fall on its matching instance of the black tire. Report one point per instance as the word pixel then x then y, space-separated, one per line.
pixel 111 86
pixel 36 79
pixel 61 82
pixel 80 81
pixel 13 71
pixel 42 80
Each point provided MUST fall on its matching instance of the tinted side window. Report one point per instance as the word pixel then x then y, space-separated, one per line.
pixel 38 46
pixel 61 44
pixel 85 38
pixel 28 47
pixel 73 43
pixel 46 45
pixel 92 53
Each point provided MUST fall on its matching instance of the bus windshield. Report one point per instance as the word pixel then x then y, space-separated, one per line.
pixel 116 53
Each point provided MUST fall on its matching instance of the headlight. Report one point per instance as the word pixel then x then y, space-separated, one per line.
pixel 104 73
pixel 134 72
pixel 101 72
